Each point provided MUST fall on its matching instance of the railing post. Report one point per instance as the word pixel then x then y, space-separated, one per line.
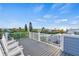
pixel 29 34
pixel 62 42
pixel 38 36
pixel 47 37
pixel 33 35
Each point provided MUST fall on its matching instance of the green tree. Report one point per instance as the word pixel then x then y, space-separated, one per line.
pixel 19 28
pixel 25 27
pixel 14 30
pixel 62 31
pixel 0 33
pixel 30 26
pixel 43 29
pixel 0 30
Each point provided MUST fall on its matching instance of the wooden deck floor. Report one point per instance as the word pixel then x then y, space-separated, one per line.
pixel 36 48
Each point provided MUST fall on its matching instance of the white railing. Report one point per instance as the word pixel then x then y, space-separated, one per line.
pixel 47 38
pixel 66 42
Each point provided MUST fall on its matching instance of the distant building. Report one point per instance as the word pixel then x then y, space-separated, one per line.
pixel 73 31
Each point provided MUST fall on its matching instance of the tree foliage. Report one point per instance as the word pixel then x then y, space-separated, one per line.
pixel 25 27
pixel 30 26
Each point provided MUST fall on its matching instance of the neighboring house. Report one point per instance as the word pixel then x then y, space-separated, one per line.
pixel 73 31
pixel 54 39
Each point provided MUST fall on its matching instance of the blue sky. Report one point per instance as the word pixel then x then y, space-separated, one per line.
pixel 51 15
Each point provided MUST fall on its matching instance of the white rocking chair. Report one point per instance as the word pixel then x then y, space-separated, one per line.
pixel 11 43
pixel 11 49
pixel 1 51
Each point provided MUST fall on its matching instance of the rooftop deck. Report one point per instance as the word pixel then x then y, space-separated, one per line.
pixel 36 48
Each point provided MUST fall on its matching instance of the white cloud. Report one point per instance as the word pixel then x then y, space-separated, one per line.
pixel 65 8
pixel 76 17
pixel 15 24
pixel 50 16
pixel 58 27
pixel 61 20
pixel 38 21
pixel 64 20
pixel 41 20
pixel 39 8
pixel 74 22
pixel 62 8
pixel 47 16
pixel 56 5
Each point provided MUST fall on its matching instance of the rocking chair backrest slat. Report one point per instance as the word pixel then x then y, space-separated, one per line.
pixel 4 43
